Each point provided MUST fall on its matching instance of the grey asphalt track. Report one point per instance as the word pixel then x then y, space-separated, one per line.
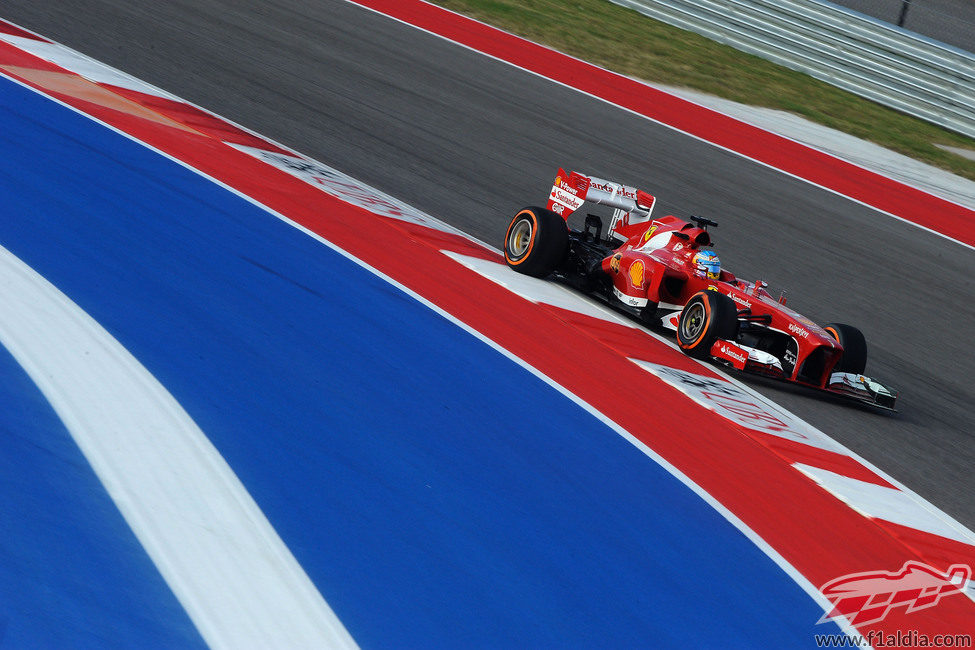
pixel 470 140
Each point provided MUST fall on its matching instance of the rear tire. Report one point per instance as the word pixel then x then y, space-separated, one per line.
pixel 536 242
pixel 707 317
pixel 854 344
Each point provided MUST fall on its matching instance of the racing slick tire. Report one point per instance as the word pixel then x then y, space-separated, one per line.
pixel 536 242
pixel 707 317
pixel 854 344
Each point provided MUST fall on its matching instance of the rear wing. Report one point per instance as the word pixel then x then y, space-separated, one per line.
pixel 571 190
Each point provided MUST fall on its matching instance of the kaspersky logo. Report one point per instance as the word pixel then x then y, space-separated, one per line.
pixel 868 597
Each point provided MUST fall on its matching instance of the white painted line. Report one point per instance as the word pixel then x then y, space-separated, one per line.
pixel 745 408
pixel 538 291
pixel 80 64
pixel 889 504
pixel 348 189
pixel 238 582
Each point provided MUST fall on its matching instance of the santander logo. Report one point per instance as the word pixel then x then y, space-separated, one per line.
pixel 620 190
pixel 734 354
pixel 565 196
pixel 741 301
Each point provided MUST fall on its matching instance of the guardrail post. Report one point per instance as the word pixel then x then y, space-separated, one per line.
pixel 903 16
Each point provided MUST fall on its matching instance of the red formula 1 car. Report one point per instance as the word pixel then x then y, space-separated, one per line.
pixel 664 272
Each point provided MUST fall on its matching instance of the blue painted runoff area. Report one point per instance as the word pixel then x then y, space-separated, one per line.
pixel 436 493
pixel 72 575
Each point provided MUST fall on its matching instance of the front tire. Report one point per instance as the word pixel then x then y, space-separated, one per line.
pixel 854 344
pixel 536 242
pixel 707 317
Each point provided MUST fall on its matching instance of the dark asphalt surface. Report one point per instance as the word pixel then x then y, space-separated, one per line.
pixel 948 21
pixel 470 140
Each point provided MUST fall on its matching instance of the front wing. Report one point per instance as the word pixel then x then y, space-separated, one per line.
pixel 845 384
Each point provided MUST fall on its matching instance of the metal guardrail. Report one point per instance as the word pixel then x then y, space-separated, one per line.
pixel 888 65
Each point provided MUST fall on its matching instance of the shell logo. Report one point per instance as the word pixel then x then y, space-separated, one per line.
pixel 636 273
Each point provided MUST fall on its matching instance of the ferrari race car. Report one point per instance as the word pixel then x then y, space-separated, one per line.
pixel 665 273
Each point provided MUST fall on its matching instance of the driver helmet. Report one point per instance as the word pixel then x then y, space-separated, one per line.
pixel 707 262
